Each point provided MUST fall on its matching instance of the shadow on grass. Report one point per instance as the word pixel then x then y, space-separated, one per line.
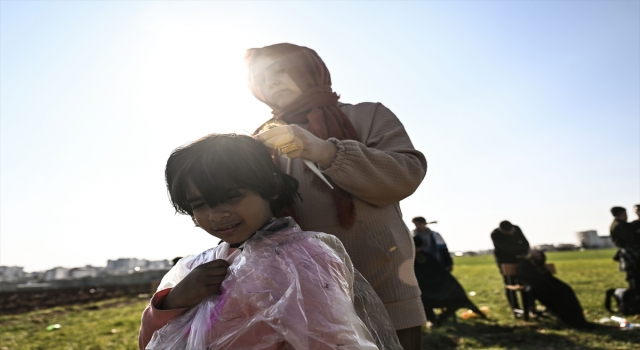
pixel 538 335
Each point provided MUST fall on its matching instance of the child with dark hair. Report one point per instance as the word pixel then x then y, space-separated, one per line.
pixel 268 284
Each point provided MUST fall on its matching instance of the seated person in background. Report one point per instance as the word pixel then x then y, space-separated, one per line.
pixel 269 284
pixel 432 243
pixel 626 237
pixel 510 246
pixel 439 288
pixel 557 296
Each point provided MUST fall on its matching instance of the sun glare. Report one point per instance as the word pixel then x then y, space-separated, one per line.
pixel 194 70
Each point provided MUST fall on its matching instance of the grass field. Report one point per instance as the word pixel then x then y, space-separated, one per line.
pixel 113 324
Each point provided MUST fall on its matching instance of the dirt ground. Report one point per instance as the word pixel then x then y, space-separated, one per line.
pixel 25 301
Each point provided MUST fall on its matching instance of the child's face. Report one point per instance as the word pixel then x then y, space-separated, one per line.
pixel 234 220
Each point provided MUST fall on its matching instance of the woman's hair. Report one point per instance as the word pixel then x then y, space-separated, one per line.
pixel 220 164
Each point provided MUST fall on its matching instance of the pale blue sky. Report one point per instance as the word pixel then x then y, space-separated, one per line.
pixel 526 111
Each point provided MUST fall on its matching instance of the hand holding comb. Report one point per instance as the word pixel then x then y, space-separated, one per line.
pixel 290 147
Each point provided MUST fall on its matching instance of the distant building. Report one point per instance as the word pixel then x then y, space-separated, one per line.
pixel 121 266
pixel 131 265
pixel 485 252
pixel 472 253
pixel 565 246
pixel 16 274
pixel 545 247
pixel 87 271
pixel 158 265
pixel 56 273
pixel 606 242
pixel 11 273
pixel 590 239
pixel 36 276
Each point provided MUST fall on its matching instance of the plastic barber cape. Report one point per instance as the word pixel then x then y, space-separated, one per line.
pixel 285 289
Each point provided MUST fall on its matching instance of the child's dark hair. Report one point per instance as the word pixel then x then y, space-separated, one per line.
pixel 220 164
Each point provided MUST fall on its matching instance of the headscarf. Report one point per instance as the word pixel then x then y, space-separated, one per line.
pixel 317 106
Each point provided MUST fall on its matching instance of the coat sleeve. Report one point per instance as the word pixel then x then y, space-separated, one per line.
pixel 154 318
pixel 385 168
pixel 446 257
pixel 443 250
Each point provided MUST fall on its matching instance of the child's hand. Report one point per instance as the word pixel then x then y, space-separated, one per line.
pixel 201 282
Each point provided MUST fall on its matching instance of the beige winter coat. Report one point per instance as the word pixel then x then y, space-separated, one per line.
pixel 379 170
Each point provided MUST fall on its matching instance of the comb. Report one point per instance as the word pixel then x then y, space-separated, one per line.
pixel 274 123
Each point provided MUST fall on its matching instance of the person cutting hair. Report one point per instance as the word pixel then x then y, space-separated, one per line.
pixel 364 152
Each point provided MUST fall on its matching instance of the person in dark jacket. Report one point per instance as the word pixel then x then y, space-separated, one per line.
pixel 439 288
pixel 432 242
pixel 623 233
pixel 557 296
pixel 510 244
pixel 510 247
pixel 626 236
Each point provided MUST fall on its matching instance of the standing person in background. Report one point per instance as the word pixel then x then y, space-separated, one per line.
pixel 432 243
pixel 626 237
pixel 510 247
pixel 510 244
pixel 622 232
pixel 439 288
pixel 636 223
pixel 365 152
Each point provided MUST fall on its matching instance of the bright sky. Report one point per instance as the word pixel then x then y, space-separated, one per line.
pixel 526 111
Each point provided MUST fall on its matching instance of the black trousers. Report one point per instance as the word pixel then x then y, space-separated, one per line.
pixel 512 295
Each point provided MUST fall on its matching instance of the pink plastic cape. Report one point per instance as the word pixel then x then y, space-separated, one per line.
pixel 285 289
